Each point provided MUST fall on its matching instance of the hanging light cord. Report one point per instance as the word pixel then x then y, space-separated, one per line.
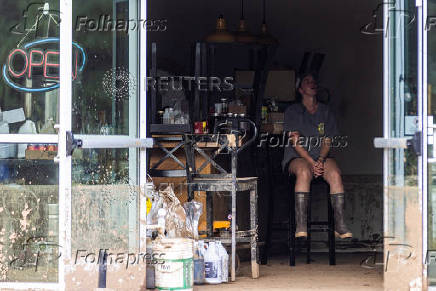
pixel 264 11
pixel 242 9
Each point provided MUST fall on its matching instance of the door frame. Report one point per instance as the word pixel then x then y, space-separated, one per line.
pixel 423 127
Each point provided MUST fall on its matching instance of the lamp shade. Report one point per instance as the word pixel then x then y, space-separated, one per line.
pixel 265 37
pixel 220 35
pixel 242 35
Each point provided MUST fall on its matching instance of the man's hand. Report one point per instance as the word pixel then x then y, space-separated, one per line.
pixel 317 168
pixel 294 136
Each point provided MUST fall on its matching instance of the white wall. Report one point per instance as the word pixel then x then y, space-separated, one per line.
pixel 352 68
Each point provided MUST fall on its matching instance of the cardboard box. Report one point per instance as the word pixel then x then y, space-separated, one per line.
pixel 272 128
pixel 274 117
pixel 40 155
pixel 239 109
pixel 280 86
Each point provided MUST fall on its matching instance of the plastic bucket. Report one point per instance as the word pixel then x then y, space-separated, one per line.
pixel 174 269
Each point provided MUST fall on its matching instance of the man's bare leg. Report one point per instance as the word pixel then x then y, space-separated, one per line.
pixel 332 174
pixel 303 172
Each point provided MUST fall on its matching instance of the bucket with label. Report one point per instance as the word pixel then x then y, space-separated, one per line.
pixel 174 269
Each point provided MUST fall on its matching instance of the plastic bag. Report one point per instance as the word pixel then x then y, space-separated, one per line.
pixel 175 219
pixel 193 212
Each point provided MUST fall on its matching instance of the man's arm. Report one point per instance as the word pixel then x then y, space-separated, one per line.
pixel 302 152
pixel 325 148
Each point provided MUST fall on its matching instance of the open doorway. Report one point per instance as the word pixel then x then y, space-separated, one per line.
pixel 345 34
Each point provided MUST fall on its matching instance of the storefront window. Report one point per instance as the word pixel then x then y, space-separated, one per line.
pixel 29 219
pixel 30 66
pixel 29 178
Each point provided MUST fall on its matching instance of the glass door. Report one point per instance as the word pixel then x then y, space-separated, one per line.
pixel 403 175
pixel 104 170
pixel 72 145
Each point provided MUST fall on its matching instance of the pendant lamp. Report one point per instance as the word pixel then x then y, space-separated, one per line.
pixel 242 35
pixel 265 37
pixel 221 35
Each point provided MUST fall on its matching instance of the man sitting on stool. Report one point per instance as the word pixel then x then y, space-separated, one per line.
pixel 312 127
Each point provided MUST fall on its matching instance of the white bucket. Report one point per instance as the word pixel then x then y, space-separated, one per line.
pixel 174 269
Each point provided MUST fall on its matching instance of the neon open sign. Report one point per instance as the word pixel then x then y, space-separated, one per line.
pixel 39 65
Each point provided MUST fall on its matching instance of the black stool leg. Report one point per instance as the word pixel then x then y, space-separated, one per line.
pixel 291 238
pixel 269 224
pixel 309 234
pixel 331 232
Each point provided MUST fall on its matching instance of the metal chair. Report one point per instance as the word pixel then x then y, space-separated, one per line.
pixel 226 182
pixel 322 226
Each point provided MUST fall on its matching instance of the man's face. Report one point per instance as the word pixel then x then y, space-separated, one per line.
pixel 308 86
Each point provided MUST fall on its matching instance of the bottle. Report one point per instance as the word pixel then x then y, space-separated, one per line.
pixel 224 262
pixel 212 265
pixel 166 116
pixel 172 116
pixel 161 213
pixel 26 128
pixel 199 274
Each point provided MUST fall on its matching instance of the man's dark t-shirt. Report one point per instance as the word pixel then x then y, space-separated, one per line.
pixel 312 127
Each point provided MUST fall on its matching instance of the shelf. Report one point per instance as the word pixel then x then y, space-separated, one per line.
pixel 23 160
pixel 170 128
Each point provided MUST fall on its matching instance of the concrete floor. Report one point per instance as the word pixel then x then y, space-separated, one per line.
pixel 319 275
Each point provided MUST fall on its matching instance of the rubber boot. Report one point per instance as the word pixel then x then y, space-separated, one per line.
pixel 301 203
pixel 338 204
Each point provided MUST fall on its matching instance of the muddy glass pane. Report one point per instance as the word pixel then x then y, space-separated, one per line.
pixel 29 57
pixel 104 208
pixel 402 227
pixel 29 211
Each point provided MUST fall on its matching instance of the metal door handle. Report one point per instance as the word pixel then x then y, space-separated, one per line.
pixel 390 143
pixel 400 143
